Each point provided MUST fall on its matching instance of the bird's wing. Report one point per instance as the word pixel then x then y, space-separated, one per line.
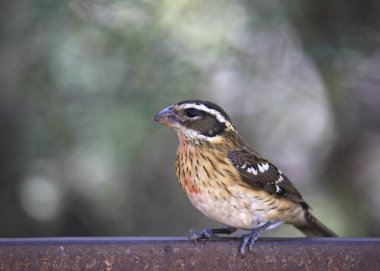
pixel 261 174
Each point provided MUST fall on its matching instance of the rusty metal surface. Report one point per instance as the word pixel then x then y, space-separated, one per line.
pixel 133 253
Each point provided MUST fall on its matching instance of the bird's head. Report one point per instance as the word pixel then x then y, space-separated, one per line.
pixel 196 121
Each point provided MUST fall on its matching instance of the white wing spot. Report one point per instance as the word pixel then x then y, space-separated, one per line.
pixel 244 166
pixel 263 167
pixel 252 170
pixel 280 179
pixel 278 189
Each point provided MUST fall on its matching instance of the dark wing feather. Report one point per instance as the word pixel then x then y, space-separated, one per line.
pixel 261 174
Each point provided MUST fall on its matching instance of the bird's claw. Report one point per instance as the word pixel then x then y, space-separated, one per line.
pixel 205 233
pixel 248 240
pixel 252 237
pixel 252 241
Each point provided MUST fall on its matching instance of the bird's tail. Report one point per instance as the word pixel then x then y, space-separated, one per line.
pixel 314 228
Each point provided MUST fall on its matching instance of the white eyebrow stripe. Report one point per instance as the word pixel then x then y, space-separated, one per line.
pixel 202 107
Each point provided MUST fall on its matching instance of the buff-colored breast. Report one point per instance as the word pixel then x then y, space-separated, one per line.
pixel 214 187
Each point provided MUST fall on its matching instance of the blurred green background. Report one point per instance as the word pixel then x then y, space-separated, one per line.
pixel 81 80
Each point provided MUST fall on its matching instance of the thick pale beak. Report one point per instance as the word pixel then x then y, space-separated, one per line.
pixel 167 117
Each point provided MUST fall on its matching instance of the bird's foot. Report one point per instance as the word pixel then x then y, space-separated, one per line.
pixel 205 233
pixel 250 238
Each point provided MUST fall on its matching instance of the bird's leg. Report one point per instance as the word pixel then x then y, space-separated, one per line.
pixel 209 233
pixel 252 237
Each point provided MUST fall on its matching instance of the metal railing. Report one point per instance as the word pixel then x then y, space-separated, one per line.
pixel 172 253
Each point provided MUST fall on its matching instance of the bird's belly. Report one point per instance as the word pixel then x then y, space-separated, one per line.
pixel 234 212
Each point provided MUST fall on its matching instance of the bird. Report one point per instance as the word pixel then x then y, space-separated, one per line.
pixel 228 181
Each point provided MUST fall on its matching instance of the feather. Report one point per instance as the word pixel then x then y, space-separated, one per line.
pixel 261 174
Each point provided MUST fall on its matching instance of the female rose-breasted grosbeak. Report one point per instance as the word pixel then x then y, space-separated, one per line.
pixel 227 180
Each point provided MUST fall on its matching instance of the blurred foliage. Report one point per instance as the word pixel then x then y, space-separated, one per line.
pixel 80 81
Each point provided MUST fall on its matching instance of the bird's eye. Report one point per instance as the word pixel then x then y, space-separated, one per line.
pixel 192 113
